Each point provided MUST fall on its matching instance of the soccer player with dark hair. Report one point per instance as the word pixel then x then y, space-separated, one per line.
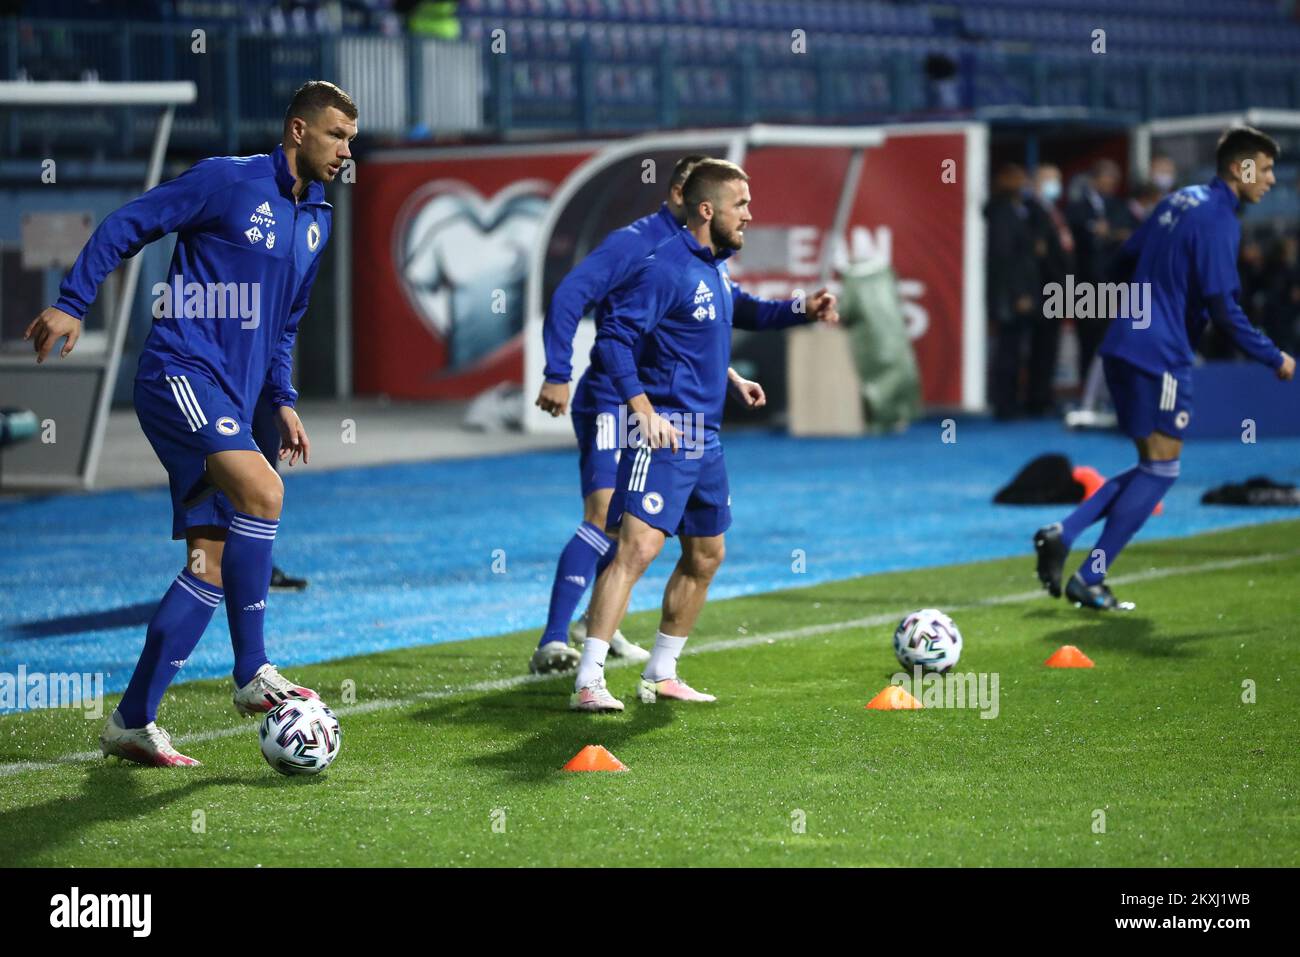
pixel 1187 251
pixel 596 416
pixel 665 344
pixel 250 230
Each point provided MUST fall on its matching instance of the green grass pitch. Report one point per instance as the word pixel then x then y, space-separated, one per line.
pixel 1152 758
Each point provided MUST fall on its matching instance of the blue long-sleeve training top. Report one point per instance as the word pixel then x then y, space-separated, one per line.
pixel 1187 251
pixel 589 285
pixel 239 281
pixel 668 331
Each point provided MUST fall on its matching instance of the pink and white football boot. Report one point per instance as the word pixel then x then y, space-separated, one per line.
pixel 268 689
pixel 673 689
pixel 150 745
pixel 594 697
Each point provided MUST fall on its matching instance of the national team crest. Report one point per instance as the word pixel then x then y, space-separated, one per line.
pixel 313 237
pixel 653 503
pixel 227 426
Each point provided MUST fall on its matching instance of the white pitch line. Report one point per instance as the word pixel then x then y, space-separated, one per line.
pixel 726 644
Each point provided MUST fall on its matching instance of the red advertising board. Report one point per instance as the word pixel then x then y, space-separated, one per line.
pixel 443 241
pixel 440 251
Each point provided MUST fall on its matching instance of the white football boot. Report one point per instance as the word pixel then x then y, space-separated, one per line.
pixel 673 689
pixel 594 697
pixel 554 657
pixel 150 745
pixel 267 689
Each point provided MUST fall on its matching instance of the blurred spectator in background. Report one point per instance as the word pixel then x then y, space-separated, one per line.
pixel 1013 285
pixel 1143 200
pixel 1281 316
pixel 1100 222
pixel 1163 174
pixel 1054 251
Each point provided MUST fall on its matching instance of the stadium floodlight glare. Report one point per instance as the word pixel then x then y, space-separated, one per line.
pixel 26 385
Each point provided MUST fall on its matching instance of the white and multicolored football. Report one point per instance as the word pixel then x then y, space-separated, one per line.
pixel 927 638
pixel 300 736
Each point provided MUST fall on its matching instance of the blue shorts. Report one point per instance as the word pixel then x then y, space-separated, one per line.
pixel 1146 403
pixel 677 494
pixel 598 448
pixel 186 417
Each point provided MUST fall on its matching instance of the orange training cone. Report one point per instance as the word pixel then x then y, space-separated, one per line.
pixel 1089 478
pixel 893 698
pixel 1068 656
pixel 594 758
pixel 1092 480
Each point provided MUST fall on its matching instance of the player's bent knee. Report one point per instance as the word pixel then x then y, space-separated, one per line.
pixel 704 563
pixel 637 554
pixel 263 497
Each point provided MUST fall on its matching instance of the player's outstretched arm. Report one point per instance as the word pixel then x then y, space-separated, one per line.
pixel 182 203
pixel 751 312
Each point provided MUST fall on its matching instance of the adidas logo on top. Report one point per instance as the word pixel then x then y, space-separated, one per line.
pixel 264 209
pixel 702 293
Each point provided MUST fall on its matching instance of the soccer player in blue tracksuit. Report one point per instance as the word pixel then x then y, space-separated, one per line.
pixel 250 233
pixel 665 345
pixel 1187 252
pixel 595 416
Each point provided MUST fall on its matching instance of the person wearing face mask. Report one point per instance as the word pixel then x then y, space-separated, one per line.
pixel 1054 251
pixel 1163 174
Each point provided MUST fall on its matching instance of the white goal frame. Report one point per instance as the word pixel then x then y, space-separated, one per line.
pixel 167 96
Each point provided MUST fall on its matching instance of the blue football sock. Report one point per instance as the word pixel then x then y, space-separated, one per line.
pixel 1094 508
pixel 575 570
pixel 1130 510
pixel 174 631
pixel 246 573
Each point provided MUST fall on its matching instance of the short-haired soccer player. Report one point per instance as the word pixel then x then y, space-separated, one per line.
pixel 1187 251
pixel 666 345
pixel 250 234
pixel 595 414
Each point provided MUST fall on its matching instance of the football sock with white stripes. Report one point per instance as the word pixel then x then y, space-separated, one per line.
pixel 1095 507
pixel 1128 513
pixel 575 570
pixel 663 657
pixel 246 572
pixel 174 631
